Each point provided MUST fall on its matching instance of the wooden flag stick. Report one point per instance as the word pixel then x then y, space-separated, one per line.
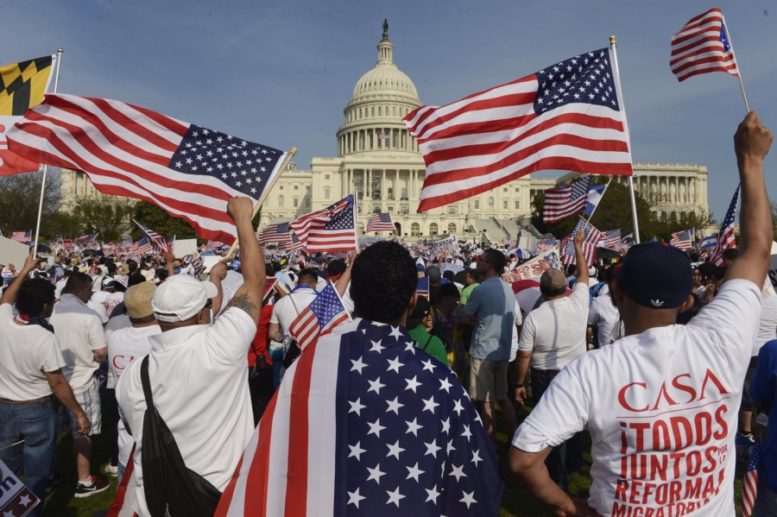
pixel 266 192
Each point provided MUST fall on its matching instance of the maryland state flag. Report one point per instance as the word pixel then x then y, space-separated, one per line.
pixel 22 86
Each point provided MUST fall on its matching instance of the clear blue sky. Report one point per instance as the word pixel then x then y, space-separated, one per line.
pixel 281 72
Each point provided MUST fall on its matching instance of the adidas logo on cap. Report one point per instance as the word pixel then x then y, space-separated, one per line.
pixel 656 303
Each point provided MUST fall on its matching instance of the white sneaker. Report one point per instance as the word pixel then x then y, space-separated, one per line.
pixel 111 470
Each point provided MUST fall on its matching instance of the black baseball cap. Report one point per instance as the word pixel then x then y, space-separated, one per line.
pixel 656 276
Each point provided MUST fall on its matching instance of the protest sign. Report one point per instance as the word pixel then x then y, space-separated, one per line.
pixel 12 252
pixel 183 247
pixel 533 268
pixel 15 498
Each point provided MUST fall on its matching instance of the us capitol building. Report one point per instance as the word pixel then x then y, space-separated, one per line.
pixel 379 160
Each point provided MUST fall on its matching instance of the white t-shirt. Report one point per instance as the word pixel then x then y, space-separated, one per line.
pixel 79 332
pixel 554 332
pixel 199 381
pixel 661 408
pixel 290 306
pixel 605 316
pixel 124 347
pixel 27 353
pixel 767 325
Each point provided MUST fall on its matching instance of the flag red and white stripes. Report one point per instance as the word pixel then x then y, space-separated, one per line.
pixel 566 200
pixel 569 116
pixel 380 222
pixel 329 229
pixel 319 318
pixel 750 481
pixel 22 237
pixel 590 243
pixel 703 46
pixel 187 170
pixel 726 237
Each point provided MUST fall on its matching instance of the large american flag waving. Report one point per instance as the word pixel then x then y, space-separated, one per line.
pixel 366 424
pixel 569 116
pixel 187 170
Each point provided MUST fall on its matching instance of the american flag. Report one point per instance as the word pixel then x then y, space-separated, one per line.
pixel 703 46
pixel 23 237
pixel 365 424
pixel 591 241
pixel 292 244
pixel 611 239
pixel 569 116
pixel 140 247
pixel 275 234
pixel 750 481
pixel 319 318
pixel 683 240
pixel 566 200
pixel 157 241
pixel 330 229
pixel 726 239
pixel 380 222
pixel 189 171
pixel 422 288
pixel 196 262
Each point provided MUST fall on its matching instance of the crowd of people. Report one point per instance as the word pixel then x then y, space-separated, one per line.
pixel 662 367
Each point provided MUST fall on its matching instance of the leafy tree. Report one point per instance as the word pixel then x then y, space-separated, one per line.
pixel 107 216
pixel 614 212
pixel 19 196
pixel 160 221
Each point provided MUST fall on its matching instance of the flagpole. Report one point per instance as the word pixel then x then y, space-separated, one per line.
pixel 632 197
pixel 45 167
pixel 739 70
pixel 600 200
pixel 262 198
pixel 356 218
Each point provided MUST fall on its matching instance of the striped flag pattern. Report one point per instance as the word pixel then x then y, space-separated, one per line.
pixel 23 237
pixel 157 241
pixel 566 200
pixel 750 481
pixel 380 222
pixel 330 229
pixel 319 318
pixel 141 247
pixel 590 243
pixel 726 239
pixel 568 116
pixel 275 234
pixel 683 240
pixel 187 170
pixel 611 239
pixel 703 46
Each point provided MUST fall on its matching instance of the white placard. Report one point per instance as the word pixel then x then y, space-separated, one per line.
pixel 12 252
pixel 183 247
pixel 15 498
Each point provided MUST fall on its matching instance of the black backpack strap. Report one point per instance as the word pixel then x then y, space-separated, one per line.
pixel 146 383
pixel 427 342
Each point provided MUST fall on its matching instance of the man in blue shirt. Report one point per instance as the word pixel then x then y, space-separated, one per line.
pixel 491 309
pixel 763 391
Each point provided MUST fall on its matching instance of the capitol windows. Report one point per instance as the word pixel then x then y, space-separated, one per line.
pixel 415 230
pixel 295 202
pixel 504 204
pixel 517 204
pixel 327 192
pixel 452 210
pixel 451 228
pixel 491 202
pixel 280 201
pixel 477 204
pixel 296 187
pixel 433 230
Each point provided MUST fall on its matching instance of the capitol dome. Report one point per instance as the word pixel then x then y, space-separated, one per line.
pixel 381 98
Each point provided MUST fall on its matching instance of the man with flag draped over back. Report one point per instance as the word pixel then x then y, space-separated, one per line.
pixel 364 423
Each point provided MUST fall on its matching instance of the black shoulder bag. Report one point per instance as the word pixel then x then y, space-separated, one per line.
pixel 170 487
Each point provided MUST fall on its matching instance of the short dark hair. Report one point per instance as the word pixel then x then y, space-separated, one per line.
pixel 730 254
pixel 135 279
pixel 336 267
pixel 383 280
pixel 33 294
pixel 448 291
pixel 496 258
pixel 307 275
pixel 77 281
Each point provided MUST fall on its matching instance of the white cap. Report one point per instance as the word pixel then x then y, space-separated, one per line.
pixel 181 297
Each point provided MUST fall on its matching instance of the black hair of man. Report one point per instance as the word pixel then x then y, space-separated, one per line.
pixel 336 267
pixel 496 258
pixel 730 254
pixel 135 279
pixel 448 291
pixel 383 280
pixel 132 266
pixel 33 295
pixel 308 277
pixel 448 275
pixel 111 265
pixel 76 282
pixel 161 274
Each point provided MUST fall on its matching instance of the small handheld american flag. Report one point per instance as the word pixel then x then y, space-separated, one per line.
pixel 566 200
pixel 590 242
pixel 157 241
pixel 380 222
pixel 726 239
pixel 319 318
pixel 750 481
pixel 703 46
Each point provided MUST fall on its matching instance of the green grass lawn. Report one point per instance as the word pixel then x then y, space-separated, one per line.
pixel 516 501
